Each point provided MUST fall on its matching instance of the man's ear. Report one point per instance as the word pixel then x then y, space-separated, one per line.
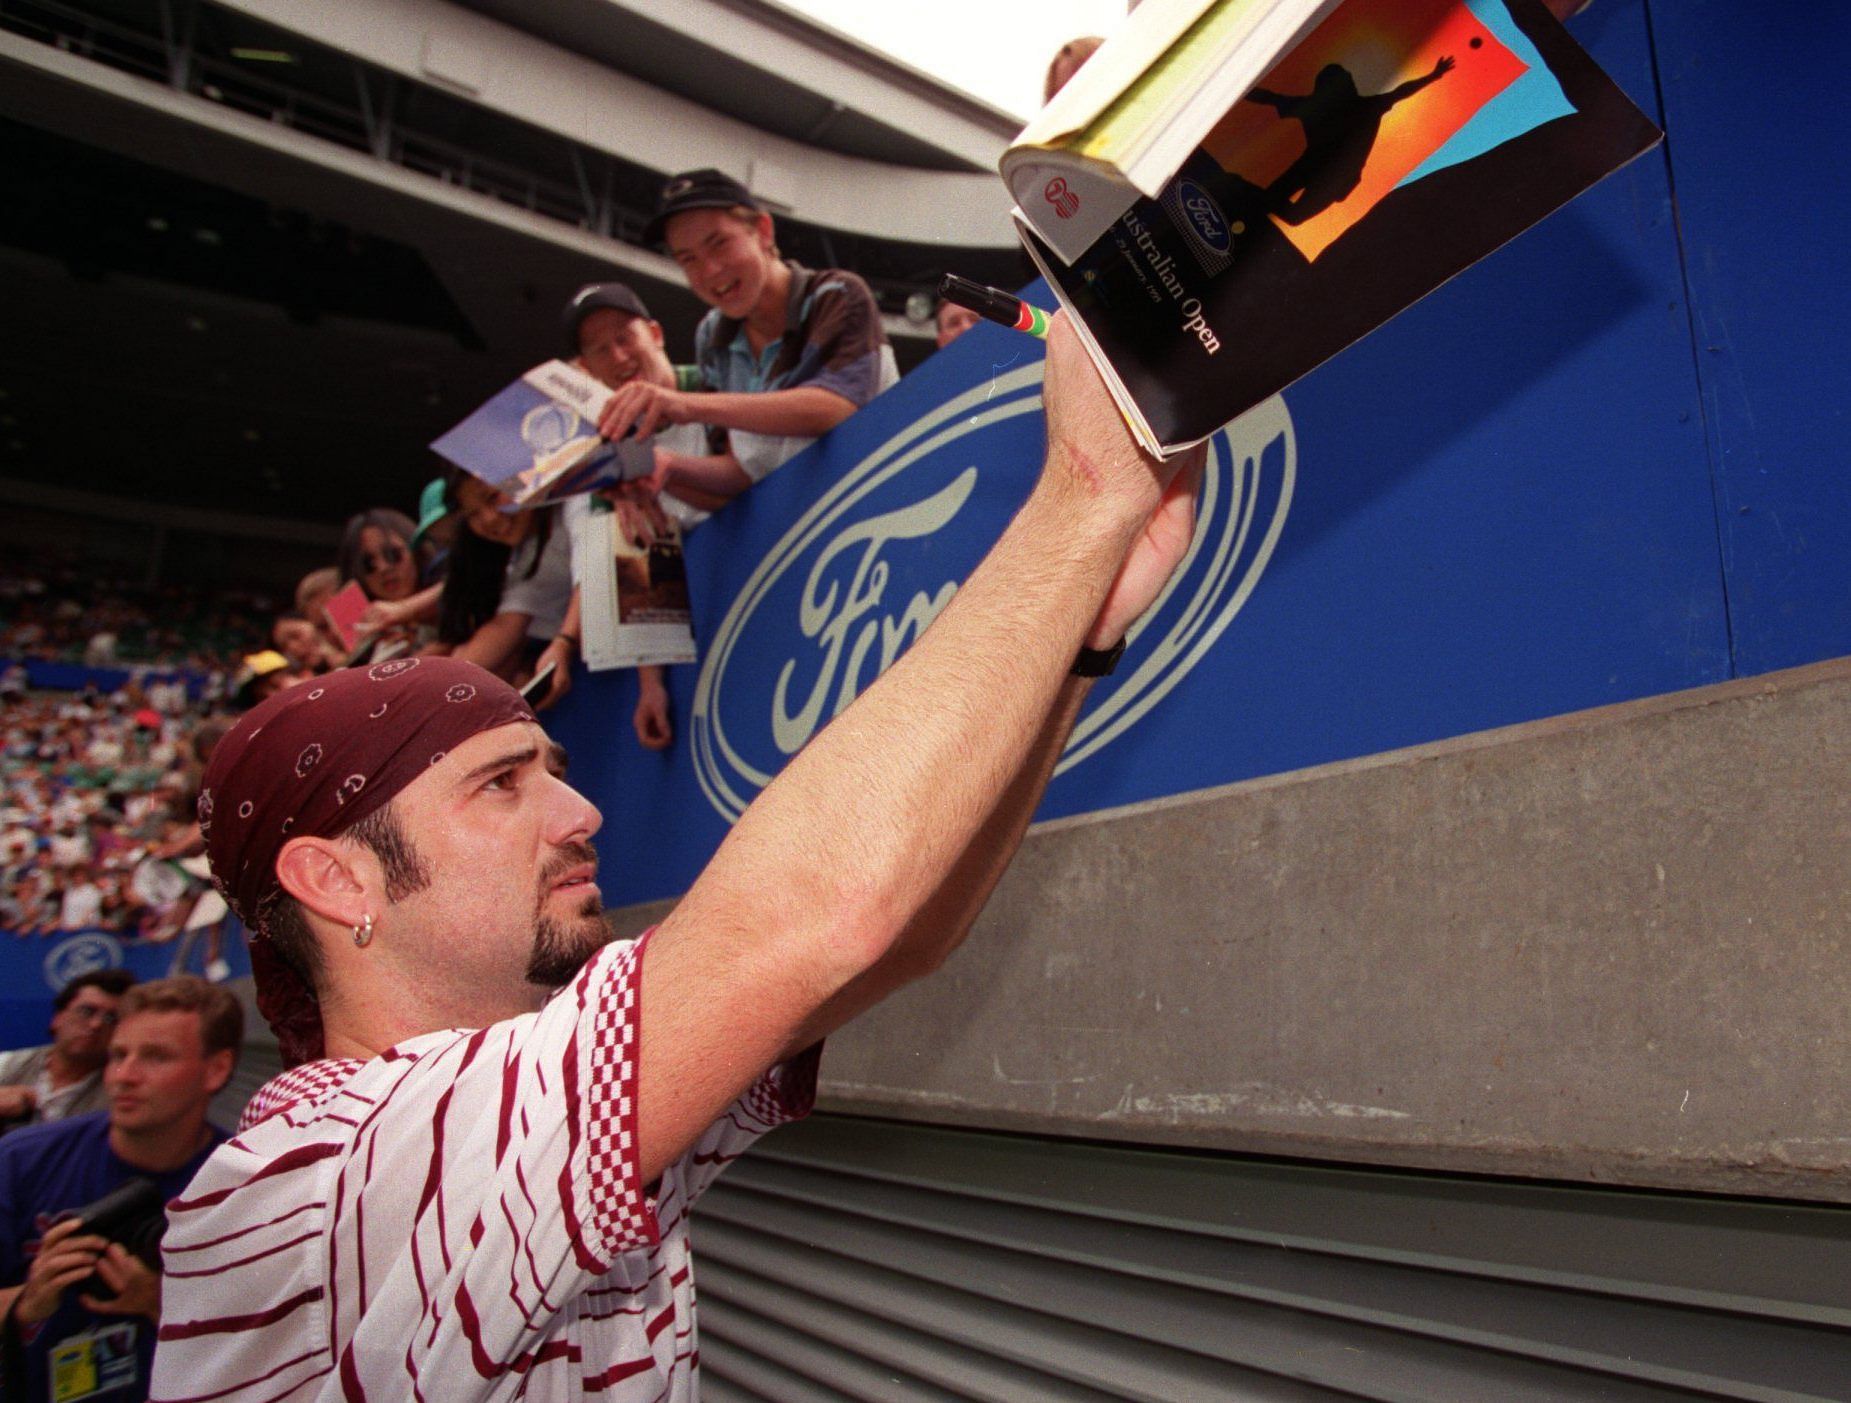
pixel 218 1070
pixel 655 331
pixel 767 235
pixel 326 877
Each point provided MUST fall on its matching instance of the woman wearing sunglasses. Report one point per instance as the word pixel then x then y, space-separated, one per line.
pixel 376 550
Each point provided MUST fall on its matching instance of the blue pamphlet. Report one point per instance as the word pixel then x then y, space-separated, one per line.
pixel 538 440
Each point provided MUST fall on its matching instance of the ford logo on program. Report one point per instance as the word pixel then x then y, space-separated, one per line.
pixel 859 576
pixel 1210 224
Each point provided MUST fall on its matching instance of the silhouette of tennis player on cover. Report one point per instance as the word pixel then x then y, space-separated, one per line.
pixel 1341 126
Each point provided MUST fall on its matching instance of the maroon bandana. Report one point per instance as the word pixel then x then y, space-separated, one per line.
pixel 314 760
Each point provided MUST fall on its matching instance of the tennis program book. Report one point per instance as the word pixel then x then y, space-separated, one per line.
pixel 537 440
pixel 1372 150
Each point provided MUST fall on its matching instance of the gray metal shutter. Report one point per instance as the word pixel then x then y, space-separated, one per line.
pixel 859 1259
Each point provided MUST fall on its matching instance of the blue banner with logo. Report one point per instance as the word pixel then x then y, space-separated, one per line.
pixel 34 967
pixel 1501 506
pixel 42 675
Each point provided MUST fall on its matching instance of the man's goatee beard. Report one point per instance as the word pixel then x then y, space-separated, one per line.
pixel 560 948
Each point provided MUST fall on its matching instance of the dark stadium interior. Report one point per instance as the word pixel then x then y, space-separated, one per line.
pixel 192 321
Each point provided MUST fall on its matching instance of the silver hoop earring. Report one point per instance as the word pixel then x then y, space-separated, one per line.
pixel 363 933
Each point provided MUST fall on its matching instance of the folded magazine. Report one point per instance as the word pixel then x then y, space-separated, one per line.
pixel 633 595
pixel 537 440
pixel 1389 147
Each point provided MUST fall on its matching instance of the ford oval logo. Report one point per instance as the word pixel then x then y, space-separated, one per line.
pixel 80 955
pixel 869 565
pixel 1205 216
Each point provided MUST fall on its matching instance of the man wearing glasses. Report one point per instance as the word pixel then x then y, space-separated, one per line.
pixel 65 1077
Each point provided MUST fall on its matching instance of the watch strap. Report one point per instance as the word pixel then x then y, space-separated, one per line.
pixel 1098 662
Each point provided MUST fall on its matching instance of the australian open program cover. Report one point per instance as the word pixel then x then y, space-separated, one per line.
pixel 1397 144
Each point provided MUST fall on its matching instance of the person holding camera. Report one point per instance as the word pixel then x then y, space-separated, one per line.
pixel 82 1200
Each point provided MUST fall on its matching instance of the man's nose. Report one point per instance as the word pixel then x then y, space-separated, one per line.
pixel 577 816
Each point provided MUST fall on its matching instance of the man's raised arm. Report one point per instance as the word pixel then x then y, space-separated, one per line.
pixel 877 844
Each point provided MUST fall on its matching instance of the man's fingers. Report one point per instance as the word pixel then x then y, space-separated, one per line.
pixel 1174 519
pixel 1183 467
pixel 652 418
pixel 114 1273
pixel 557 687
pixel 615 420
pixel 60 1230
pixel 1186 485
pixel 69 1276
pixel 67 1260
pixel 68 1236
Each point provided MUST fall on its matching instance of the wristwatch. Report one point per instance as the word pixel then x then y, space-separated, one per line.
pixel 1098 662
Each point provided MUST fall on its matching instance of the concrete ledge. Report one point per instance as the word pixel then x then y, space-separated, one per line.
pixel 1606 946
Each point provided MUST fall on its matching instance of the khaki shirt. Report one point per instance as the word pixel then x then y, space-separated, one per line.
pixel 31 1066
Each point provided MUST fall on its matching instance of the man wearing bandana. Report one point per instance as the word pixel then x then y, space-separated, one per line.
pixel 474 1181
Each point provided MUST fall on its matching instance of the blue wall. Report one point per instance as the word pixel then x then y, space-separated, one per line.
pixel 34 968
pixel 1604 463
pixel 1754 103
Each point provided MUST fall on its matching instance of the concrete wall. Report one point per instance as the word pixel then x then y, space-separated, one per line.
pixel 1607 946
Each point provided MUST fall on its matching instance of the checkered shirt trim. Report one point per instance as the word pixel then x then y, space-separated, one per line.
pixel 613 1182
pixel 311 1083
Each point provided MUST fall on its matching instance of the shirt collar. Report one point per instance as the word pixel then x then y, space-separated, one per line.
pixel 801 280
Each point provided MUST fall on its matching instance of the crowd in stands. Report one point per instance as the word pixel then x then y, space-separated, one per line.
pixel 96 828
pixel 96 822
pixel 95 818
pixel 54 610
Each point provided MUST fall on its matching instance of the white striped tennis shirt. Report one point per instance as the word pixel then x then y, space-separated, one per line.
pixel 460 1218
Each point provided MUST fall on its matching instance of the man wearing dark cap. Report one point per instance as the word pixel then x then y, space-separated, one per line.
pixel 786 352
pixel 614 338
pixel 612 335
pixel 475 1182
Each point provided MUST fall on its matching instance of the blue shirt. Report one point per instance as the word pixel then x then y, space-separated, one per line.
pixel 46 1171
pixel 832 339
